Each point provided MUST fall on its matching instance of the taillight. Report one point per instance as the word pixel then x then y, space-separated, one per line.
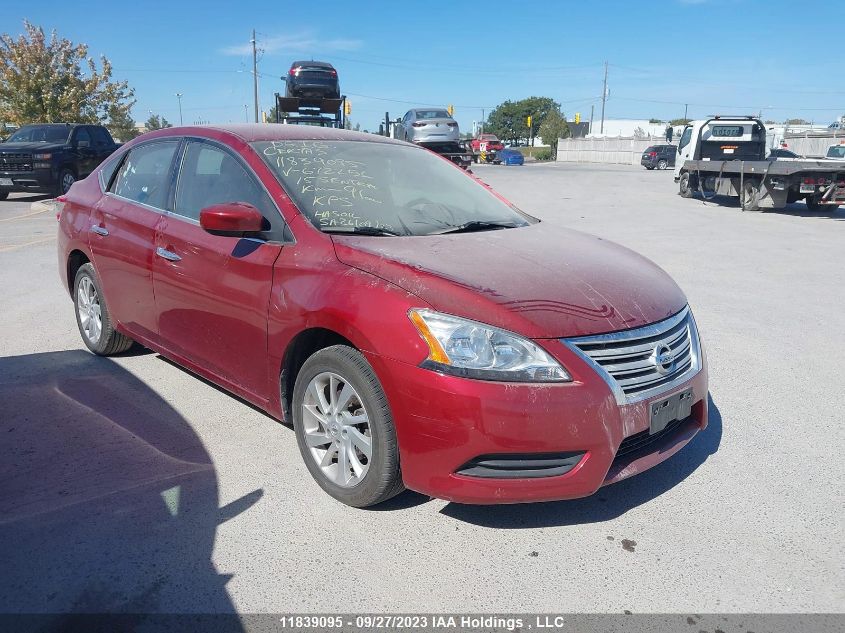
pixel 293 72
pixel 809 181
pixel 419 124
pixel 653 154
pixel 453 125
pixel 59 205
pixel 333 73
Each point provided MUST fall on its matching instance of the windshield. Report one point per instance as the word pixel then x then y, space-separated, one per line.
pixel 402 189
pixel 837 151
pixel 41 134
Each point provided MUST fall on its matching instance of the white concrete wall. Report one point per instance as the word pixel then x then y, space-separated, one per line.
pixel 616 150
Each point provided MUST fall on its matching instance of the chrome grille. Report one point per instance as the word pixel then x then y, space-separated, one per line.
pixel 15 162
pixel 644 361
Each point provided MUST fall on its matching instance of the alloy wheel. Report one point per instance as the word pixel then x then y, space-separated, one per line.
pixel 67 181
pixel 90 311
pixel 337 429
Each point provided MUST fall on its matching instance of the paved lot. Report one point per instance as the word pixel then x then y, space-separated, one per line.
pixel 129 484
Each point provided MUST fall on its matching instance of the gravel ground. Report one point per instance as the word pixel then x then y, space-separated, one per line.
pixel 130 484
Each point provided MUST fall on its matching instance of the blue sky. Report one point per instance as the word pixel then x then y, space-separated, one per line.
pixel 737 56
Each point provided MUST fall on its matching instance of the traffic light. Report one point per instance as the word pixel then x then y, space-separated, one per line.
pixel 347 107
pixel 577 117
pixel 528 120
pixel 451 110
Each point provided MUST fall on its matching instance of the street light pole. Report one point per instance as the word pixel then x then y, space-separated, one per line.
pixel 246 113
pixel 179 97
pixel 254 75
pixel 603 98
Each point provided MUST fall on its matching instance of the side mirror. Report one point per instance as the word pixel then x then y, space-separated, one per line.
pixel 234 219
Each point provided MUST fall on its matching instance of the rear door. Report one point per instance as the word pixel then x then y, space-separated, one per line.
pixel 212 293
pixel 122 238
pixel 83 145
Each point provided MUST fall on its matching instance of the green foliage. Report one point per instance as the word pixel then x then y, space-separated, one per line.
pixel 508 120
pixel 655 121
pixel 156 122
pixel 554 127
pixel 796 122
pixel 675 122
pixel 54 81
pixel 121 124
pixel 544 154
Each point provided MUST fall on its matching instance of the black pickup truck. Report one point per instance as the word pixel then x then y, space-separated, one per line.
pixel 50 157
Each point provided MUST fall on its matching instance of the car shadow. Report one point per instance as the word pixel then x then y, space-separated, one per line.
pixel 109 501
pixel 609 502
pixel 794 209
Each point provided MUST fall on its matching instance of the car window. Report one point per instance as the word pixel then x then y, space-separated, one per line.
pixel 210 175
pixel 107 170
pixel 685 138
pixel 40 134
pixel 82 136
pixel 145 174
pixel 432 114
pixel 383 185
pixel 100 136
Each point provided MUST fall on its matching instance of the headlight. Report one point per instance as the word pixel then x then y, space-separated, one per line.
pixel 473 350
pixel 42 156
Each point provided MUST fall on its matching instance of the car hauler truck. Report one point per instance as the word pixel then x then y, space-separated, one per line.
pixel 726 155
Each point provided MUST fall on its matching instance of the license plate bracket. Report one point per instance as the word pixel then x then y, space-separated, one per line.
pixel 676 407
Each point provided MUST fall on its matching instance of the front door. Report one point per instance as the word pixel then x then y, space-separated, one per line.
pixel 685 149
pixel 122 235
pixel 212 293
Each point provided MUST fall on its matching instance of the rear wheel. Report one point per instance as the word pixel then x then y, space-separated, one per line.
pixel 344 428
pixel 663 164
pixel 685 185
pixel 92 315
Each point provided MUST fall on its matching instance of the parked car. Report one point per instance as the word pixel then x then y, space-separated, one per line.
pixel 455 151
pixel 312 79
pixel 491 142
pixel 781 153
pixel 49 158
pixel 411 326
pixel 510 157
pixel 428 125
pixel 659 157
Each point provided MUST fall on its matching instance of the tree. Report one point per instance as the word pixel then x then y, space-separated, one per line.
pixel 553 128
pixel 675 122
pixel 655 121
pixel 121 124
pixel 508 120
pixel 156 122
pixel 52 81
pixel 797 122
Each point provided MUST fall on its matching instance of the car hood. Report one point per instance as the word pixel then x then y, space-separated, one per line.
pixel 31 146
pixel 539 281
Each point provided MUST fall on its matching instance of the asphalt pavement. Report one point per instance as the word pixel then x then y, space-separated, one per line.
pixel 130 484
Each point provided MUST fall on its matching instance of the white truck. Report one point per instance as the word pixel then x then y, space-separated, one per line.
pixel 726 156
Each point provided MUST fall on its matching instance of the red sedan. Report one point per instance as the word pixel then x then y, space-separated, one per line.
pixel 417 329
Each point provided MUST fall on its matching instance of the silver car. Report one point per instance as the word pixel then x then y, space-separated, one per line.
pixel 427 125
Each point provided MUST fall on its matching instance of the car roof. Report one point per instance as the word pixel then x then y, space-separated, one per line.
pixel 251 132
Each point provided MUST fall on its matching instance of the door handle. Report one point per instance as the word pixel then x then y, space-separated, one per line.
pixel 168 255
pixel 99 230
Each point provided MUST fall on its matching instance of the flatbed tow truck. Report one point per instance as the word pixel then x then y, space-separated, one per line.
pixel 726 156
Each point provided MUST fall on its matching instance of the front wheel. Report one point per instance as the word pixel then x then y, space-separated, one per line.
pixel 65 182
pixel 92 315
pixel 685 189
pixel 344 428
pixel 750 196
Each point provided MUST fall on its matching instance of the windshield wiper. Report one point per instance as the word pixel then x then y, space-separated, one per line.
pixel 476 225
pixel 358 230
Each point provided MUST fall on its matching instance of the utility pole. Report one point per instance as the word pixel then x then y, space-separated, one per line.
pixel 255 74
pixel 603 98
pixel 481 126
pixel 686 105
pixel 179 97
pixel 246 113
pixel 592 111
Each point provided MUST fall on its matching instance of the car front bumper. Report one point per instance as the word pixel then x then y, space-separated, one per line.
pixel 35 181
pixel 446 424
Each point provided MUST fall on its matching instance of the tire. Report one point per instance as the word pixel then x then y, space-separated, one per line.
pixel 65 181
pixel 685 186
pixel 649 168
pixel 662 164
pixel 86 285
pixel 749 198
pixel 812 203
pixel 4 195
pixel 322 438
